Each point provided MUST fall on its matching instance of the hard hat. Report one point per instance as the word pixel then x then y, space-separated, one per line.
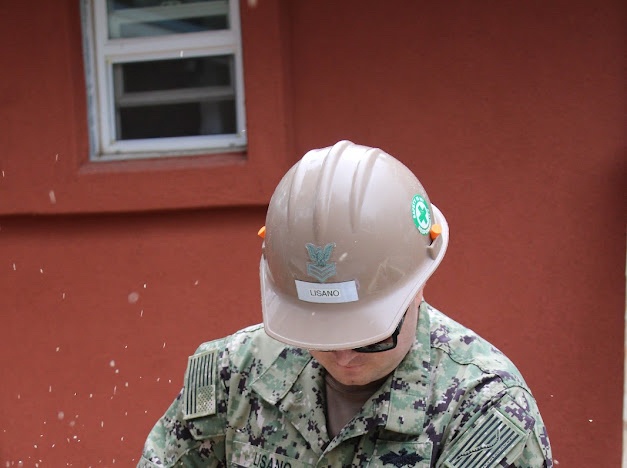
pixel 348 244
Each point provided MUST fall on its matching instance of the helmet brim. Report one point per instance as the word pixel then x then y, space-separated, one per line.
pixel 347 325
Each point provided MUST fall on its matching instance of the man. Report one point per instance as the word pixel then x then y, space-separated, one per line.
pixel 351 366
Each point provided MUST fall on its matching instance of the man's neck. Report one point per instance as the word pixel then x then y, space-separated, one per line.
pixel 343 402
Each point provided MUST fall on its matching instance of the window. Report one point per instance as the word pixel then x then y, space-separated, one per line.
pixel 63 169
pixel 164 78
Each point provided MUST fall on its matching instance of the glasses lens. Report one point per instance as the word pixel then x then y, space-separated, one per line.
pixel 383 345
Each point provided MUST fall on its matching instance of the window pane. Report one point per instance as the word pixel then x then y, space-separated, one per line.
pixel 141 18
pixel 170 98
pixel 177 120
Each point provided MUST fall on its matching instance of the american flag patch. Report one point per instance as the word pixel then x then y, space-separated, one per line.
pixel 487 443
pixel 199 396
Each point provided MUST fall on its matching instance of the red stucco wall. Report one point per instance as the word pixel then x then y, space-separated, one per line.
pixel 512 115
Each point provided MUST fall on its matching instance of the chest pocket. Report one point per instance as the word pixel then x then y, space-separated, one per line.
pixel 400 454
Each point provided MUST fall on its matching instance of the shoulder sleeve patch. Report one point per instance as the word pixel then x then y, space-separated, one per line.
pixel 489 440
pixel 199 395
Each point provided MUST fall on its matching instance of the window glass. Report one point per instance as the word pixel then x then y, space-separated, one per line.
pixel 172 98
pixel 141 18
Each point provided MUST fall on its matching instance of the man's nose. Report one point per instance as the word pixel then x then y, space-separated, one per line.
pixel 344 356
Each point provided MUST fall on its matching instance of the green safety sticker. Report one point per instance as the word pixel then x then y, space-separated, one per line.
pixel 421 214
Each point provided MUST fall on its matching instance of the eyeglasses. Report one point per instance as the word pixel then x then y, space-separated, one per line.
pixel 383 345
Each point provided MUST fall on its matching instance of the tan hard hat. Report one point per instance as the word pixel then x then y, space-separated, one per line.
pixel 350 239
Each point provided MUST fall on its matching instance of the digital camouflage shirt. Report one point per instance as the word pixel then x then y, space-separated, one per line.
pixel 454 401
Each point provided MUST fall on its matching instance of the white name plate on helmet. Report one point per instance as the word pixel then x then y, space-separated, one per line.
pixel 327 293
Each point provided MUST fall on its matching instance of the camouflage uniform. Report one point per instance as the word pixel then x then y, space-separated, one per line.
pixel 454 401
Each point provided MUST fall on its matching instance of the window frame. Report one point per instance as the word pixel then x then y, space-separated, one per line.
pixel 102 53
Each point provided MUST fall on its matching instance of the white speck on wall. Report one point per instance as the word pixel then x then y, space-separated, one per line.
pixel 112 363
pixel 133 297
pixel 53 198
pixel 60 415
